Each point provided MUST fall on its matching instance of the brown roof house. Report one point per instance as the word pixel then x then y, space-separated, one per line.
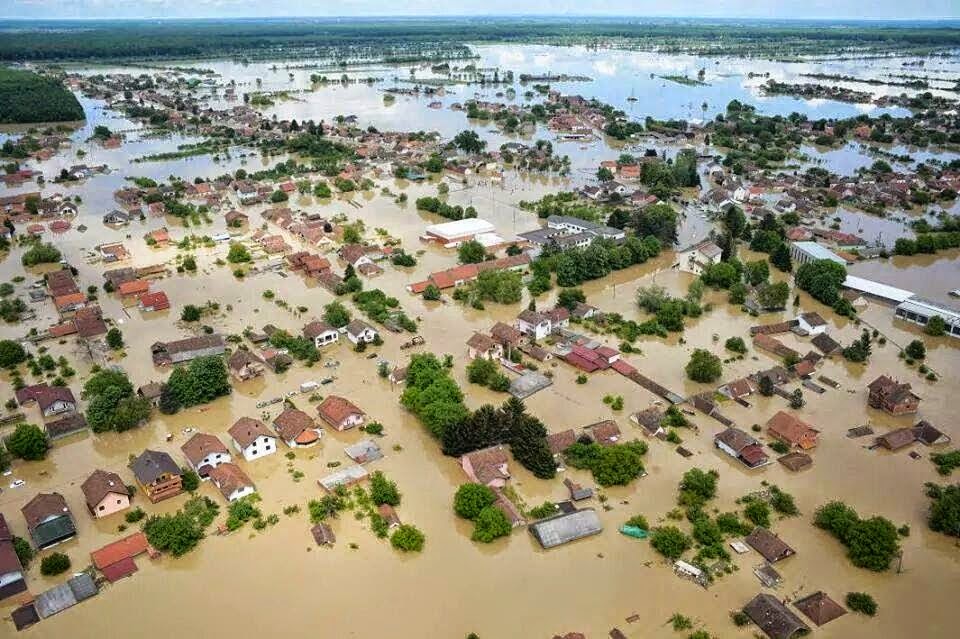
pixel 184 350
pixel 205 452
pixel 244 365
pixel 52 400
pixel 12 581
pixel 819 608
pixel 650 420
pixel 105 493
pixel 742 447
pixel 774 618
pixel 487 466
pixel 252 439
pixel 484 346
pixel 231 481
pixel 897 439
pixel 929 435
pixel 559 442
pixel 297 429
pixel 892 397
pixel 158 475
pixel 321 333
pixel 605 433
pixel 48 520
pixel 792 430
pixel 340 412
pixel 771 547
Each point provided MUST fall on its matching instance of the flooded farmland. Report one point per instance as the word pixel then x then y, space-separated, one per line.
pixel 279 581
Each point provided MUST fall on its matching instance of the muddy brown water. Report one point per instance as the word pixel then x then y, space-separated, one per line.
pixel 251 583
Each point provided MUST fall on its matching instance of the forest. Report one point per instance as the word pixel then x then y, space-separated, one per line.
pixel 400 39
pixel 26 97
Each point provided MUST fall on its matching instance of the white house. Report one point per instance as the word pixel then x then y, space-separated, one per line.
pixel 252 439
pixel 534 324
pixel 697 258
pixel 812 323
pixel 205 452
pixel 232 482
pixel 321 333
pixel 359 331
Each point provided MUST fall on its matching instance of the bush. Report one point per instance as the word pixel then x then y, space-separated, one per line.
pixel 670 542
pixel 135 515
pixel 861 602
pixel 23 550
pixel 190 313
pixel 471 499
pixel 54 564
pixel 615 465
pixel 916 350
pixel 544 510
pixel 383 491
pixel 736 344
pixel 758 512
pixel 704 366
pixel 871 543
pixel 190 480
pixel 407 538
pixel 490 524
pixel 639 521
pixel 28 442
pixel 11 353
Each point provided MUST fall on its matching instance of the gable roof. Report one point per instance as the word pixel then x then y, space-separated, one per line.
pixel 42 506
pixel 246 430
pixel 152 464
pixel 819 608
pixel 229 478
pixel 334 409
pixel 566 527
pixel 101 483
pixel 769 545
pixel 774 618
pixel 790 428
pixel 201 445
pixel 316 328
pixel 291 422
pixel 559 442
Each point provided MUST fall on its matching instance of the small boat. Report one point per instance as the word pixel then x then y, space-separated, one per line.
pixel 955 292
pixel 326 380
pixel 633 531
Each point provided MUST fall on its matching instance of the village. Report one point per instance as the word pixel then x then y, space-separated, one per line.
pixel 365 353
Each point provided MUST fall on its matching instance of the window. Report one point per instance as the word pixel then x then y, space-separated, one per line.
pixel 119 501
pixel 102 507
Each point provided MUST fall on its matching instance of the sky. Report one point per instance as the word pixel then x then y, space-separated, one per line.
pixel 797 9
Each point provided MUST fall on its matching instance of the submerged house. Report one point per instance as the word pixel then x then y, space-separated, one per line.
pixel 742 447
pixel 774 618
pixel 251 438
pixel 297 429
pixel 105 493
pixel 184 350
pixel 340 412
pixel 231 481
pixel 12 580
pixel 49 520
pixel 158 475
pixel 892 397
pixel 487 466
pixel 771 547
pixel 792 430
pixel 205 452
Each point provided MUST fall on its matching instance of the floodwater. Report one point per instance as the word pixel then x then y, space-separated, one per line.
pixel 277 581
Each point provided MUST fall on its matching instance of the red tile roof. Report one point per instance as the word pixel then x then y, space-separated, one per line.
pixel 125 548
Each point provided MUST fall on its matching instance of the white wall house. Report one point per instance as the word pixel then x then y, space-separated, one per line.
pixel 251 438
pixel 359 331
pixel 812 323
pixel 204 451
pixel 534 324
pixel 697 258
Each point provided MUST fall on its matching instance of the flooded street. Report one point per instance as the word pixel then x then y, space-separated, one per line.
pixel 278 582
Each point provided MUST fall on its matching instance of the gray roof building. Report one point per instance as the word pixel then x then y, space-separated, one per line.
pixel 565 528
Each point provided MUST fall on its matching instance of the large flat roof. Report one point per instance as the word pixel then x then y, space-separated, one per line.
pixel 461 228
pixel 819 252
pixel 929 307
pixel 877 289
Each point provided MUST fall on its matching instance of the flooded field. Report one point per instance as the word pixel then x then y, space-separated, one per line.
pixel 278 581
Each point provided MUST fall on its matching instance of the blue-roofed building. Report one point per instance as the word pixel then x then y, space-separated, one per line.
pixel 805 252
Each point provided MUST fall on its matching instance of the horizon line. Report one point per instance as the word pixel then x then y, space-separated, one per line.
pixel 482 15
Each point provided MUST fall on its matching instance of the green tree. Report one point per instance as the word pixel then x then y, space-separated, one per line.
pixel 780 257
pixel 24 551
pixel 944 514
pixel 568 298
pixel 54 564
pixel 383 491
pixel 658 220
pixel 670 541
pixel 773 296
pixel 190 313
pixel 758 512
pixel 736 344
pixel 238 253
pixel 757 272
pixel 177 534
pixel 700 484
pixel 821 279
pixel 407 538
pixel 431 293
pixel 336 314
pixel 862 602
pixel 190 480
pixel 704 366
pixel 28 442
pixel 490 524
pixel 936 326
pixel 115 338
pixel 471 499
pixel 471 252
pixel 469 142
pixel 11 353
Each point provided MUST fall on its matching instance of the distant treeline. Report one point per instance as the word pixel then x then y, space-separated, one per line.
pixel 52 39
pixel 26 97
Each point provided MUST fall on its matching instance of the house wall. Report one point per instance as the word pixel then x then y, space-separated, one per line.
pixel 213 460
pixel 112 503
pixel 164 488
pixel 240 493
pixel 725 448
pixel 350 422
pixel 262 447
pixel 324 339
pixel 58 407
